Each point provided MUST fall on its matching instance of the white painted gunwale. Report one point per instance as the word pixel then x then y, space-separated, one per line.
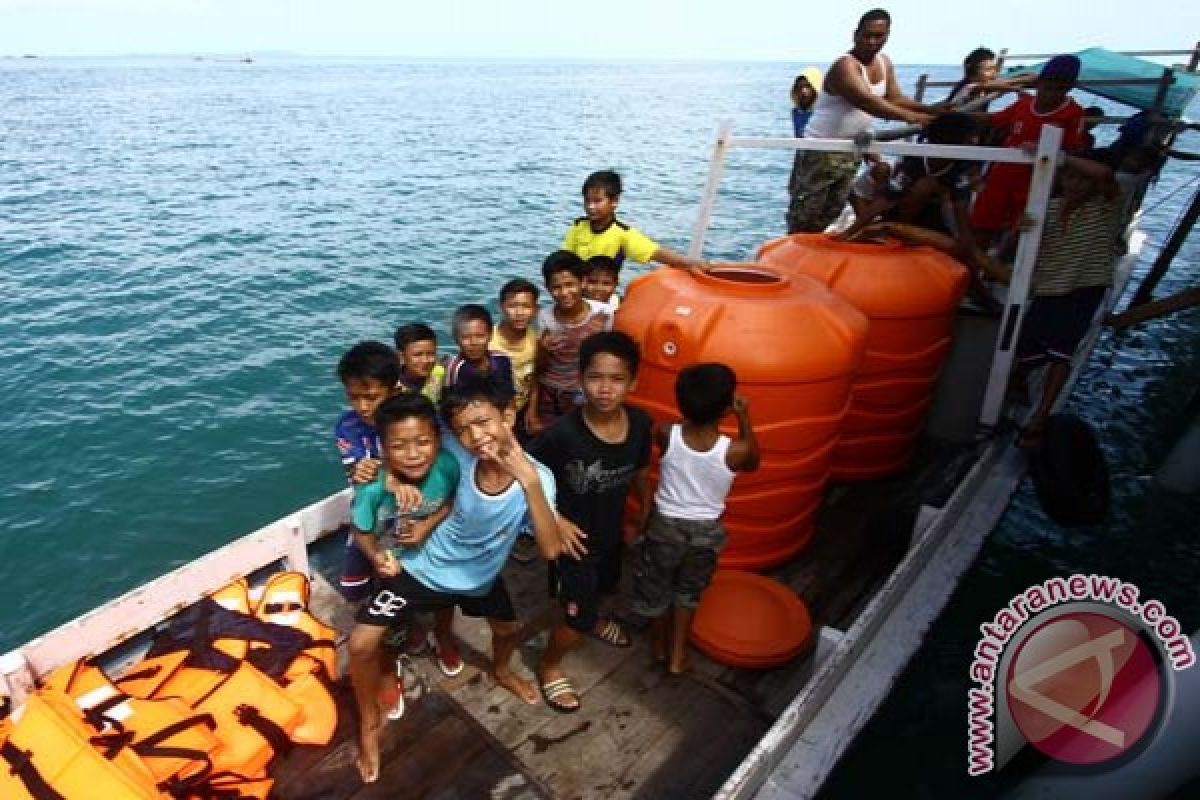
pixel 798 752
pixel 142 608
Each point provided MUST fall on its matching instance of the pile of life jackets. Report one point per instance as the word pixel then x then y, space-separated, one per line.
pixel 222 693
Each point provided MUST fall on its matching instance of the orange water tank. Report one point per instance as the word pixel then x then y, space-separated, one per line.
pixel 910 295
pixel 795 347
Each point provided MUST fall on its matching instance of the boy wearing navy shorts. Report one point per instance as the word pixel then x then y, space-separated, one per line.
pixel 596 453
pixel 501 492
pixel 368 372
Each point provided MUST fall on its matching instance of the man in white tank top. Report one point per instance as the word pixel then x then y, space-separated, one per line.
pixel 860 88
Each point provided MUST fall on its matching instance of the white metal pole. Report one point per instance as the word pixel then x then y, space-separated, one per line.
pixel 715 168
pixel 1044 164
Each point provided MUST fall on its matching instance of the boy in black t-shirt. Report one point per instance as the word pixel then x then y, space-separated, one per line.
pixel 596 453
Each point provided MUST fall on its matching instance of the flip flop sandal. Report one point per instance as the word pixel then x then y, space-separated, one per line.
pixel 612 634
pixel 555 689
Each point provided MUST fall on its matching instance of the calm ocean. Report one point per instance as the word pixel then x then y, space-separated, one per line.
pixel 187 247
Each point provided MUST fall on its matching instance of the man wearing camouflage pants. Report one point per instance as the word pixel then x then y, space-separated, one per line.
pixel 860 87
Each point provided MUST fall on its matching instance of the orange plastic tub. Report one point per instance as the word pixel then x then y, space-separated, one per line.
pixel 910 295
pixel 747 620
pixel 795 347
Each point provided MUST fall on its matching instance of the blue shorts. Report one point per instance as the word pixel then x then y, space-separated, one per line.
pixel 357 573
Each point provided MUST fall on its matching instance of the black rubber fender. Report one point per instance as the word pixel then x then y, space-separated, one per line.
pixel 1070 473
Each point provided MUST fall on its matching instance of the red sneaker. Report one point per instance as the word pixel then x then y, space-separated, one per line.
pixel 391 697
pixel 448 659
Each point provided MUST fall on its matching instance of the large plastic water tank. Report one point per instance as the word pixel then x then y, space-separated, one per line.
pixel 795 347
pixel 910 296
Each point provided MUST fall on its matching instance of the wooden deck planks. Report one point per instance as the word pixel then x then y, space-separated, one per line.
pixel 640 733
pixel 436 750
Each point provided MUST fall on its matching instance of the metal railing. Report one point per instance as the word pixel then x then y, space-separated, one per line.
pixel 1044 161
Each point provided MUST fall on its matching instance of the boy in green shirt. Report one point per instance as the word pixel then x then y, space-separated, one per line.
pixel 403 504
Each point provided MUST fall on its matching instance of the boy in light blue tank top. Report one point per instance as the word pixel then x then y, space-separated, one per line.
pixel 677 556
pixel 458 563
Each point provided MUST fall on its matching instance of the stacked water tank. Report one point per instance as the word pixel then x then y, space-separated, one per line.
pixel 796 348
pixel 910 296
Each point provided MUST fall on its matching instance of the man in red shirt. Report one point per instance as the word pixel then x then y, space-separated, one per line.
pixel 1001 203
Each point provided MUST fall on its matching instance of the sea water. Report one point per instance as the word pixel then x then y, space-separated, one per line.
pixel 186 247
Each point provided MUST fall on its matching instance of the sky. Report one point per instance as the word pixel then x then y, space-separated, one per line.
pixel 933 32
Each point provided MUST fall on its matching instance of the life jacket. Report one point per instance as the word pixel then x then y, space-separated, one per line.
pixel 174 743
pixel 200 661
pixel 265 676
pixel 51 753
pixel 284 601
pixel 309 677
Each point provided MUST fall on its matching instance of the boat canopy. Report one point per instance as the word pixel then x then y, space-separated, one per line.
pixel 1098 64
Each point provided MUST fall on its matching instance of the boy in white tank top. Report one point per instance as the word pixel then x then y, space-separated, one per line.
pixel 677 555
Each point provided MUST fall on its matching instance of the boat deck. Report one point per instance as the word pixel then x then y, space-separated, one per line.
pixel 640 732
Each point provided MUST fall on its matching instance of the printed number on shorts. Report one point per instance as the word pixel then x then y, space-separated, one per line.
pixel 386 604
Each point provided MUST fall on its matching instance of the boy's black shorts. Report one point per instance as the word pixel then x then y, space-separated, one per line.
pixel 403 593
pixel 1055 325
pixel 579 585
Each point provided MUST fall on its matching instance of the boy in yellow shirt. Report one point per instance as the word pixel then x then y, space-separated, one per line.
pixel 516 336
pixel 600 233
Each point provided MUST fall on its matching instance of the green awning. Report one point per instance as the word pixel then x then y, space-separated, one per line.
pixel 1100 64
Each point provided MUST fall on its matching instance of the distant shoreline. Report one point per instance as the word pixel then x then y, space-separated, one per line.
pixel 397 59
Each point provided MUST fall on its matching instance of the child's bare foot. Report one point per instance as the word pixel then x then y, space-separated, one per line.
pixel 517 685
pixel 368 749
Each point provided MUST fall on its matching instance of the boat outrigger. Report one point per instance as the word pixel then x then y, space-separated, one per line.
pixel 885 558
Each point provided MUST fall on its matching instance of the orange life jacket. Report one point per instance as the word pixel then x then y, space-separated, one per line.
pixel 51 753
pixel 308 678
pixel 175 744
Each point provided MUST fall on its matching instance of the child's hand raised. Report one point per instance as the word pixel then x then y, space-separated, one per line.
pixel 507 454
pixel 408 497
pixel 740 405
pixel 364 470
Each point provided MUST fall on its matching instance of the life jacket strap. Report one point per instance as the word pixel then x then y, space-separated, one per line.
pixel 152 747
pixel 276 736
pixel 20 764
pixel 144 672
pixel 109 744
pixel 220 786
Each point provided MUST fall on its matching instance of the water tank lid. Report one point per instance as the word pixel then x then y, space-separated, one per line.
pixel 748 620
pixel 744 276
